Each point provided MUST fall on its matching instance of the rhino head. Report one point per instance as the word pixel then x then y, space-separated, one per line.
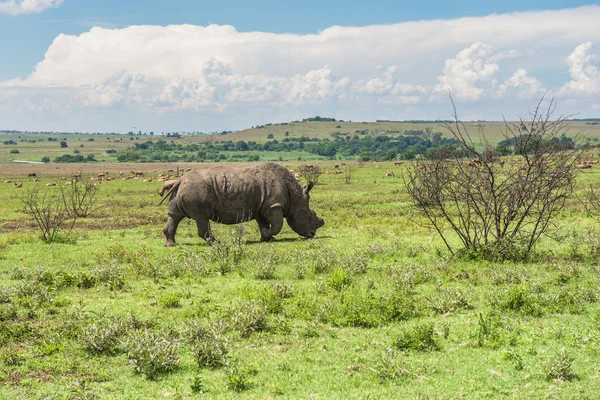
pixel 302 219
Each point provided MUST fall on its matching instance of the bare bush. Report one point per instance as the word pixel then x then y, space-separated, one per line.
pixel 310 173
pixel 52 218
pixel 497 209
pixel 349 171
pixel 80 198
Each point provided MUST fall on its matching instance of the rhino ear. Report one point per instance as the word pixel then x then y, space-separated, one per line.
pixel 307 188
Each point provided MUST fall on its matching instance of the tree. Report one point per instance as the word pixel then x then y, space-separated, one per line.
pixel 497 210
pixel 63 144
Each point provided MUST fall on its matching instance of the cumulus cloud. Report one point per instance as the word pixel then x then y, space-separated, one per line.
pixel 17 7
pixel 365 71
pixel 474 74
pixel 469 74
pixel 585 76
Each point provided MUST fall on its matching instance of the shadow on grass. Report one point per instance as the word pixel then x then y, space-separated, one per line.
pixel 252 242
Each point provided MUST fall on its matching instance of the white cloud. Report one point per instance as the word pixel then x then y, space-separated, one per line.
pixel 585 76
pixel 524 86
pixel 469 74
pixel 17 7
pixel 356 72
pixel 474 74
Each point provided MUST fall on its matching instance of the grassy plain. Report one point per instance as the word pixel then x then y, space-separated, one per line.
pixel 372 307
pixel 34 146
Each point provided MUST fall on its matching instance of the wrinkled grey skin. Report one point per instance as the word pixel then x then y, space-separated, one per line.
pixel 267 193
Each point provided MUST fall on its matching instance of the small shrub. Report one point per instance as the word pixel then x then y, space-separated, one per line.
pixel 79 198
pixel 507 275
pixel 198 386
pixel 4 295
pixel 321 259
pixel 449 300
pixel 85 280
pixel 519 298
pixel 209 345
pixel 516 360
pixel 110 275
pixel 8 312
pixel 53 220
pixel 356 263
pixel 360 308
pixel 339 279
pixel 420 338
pixel 559 366
pixel 265 270
pixel 102 337
pixel 170 300
pixel 152 353
pixel 405 278
pixel 11 357
pixel 389 367
pixel 14 151
pixel 248 317
pixel 488 331
pixel 238 378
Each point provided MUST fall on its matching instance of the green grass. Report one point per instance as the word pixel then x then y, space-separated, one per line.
pixel 372 307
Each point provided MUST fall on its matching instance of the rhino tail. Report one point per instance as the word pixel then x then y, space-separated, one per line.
pixel 171 193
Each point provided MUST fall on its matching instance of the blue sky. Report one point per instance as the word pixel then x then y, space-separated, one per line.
pixel 384 59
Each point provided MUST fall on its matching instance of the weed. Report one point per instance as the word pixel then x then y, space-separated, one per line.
pixel 190 261
pixel 198 386
pixel 359 308
pixel 507 275
pixel 568 272
pixel 559 366
pixel 237 377
pixel 208 344
pixel 247 317
pixel 339 279
pixel 356 263
pixel 102 337
pixel 515 358
pixel 420 338
pixel 85 280
pixel 405 278
pixel 8 312
pixel 521 298
pixel 110 275
pixel 389 367
pixel 264 270
pixel 170 300
pixel 228 251
pixel 81 391
pixel 320 259
pixel 11 357
pixel 449 300
pixel 152 353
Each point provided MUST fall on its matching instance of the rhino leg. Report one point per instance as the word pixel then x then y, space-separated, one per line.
pixel 171 228
pixel 271 224
pixel 204 230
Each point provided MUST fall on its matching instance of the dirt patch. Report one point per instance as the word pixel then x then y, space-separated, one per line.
pixel 94 225
pixel 67 170
pixel 14 378
pixel 15 225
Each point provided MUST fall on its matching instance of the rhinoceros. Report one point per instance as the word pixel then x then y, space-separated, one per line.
pixel 267 193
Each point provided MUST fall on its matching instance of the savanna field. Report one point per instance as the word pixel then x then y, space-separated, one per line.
pixel 373 307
